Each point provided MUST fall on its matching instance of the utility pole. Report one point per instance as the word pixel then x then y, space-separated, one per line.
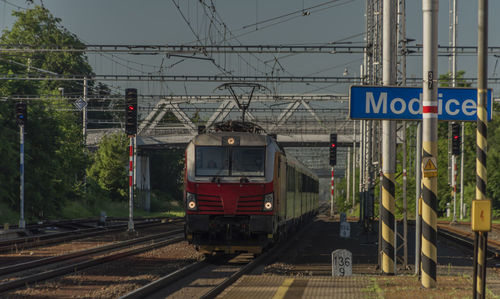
pixel 84 110
pixel 361 156
pixel 418 194
pixel 405 217
pixel 453 41
pixel 131 186
pixel 21 120
pixel 22 222
pixel 348 176
pixel 354 166
pixel 481 236
pixel 332 186
pixel 402 41
pixel 462 126
pixel 388 141
pixel 333 162
pixel 429 143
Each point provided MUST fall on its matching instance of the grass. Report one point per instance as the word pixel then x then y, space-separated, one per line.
pixel 78 210
pixel 405 286
pixel 121 210
pixel 374 288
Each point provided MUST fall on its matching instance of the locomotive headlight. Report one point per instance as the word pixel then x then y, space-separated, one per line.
pixel 191 201
pixel 268 202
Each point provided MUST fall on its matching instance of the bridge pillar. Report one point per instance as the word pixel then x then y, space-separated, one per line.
pixel 143 183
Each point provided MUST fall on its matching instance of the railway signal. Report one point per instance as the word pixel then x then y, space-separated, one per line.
pixel 21 119
pixel 333 149
pixel 21 114
pixel 130 111
pixel 131 131
pixel 456 140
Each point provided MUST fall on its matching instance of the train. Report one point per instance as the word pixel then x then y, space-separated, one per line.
pixel 242 192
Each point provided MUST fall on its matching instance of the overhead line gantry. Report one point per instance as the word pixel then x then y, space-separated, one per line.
pixel 231 49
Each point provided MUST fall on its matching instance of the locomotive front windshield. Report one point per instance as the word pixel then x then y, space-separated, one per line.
pixel 230 161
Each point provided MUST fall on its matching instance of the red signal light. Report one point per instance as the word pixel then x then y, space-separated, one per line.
pixel 333 145
pixel 131 109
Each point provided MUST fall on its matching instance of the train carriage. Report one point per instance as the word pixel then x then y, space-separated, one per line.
pixel 242 192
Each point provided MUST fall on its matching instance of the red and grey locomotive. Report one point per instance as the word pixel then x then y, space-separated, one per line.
pixel 242 192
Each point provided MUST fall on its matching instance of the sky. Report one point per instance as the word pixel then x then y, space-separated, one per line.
pixel 256 22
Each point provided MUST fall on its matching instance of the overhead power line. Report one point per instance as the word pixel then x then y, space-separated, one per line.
pixel 298 13
pixel 184 78
pixel 230 49
pixel 209 78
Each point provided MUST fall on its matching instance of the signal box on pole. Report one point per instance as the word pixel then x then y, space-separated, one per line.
pixel 333 149
pixel 21 114
pixel 130 111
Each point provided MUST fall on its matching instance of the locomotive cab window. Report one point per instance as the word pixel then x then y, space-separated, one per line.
pixel 248 161
pixel 230 161
pixel 211 161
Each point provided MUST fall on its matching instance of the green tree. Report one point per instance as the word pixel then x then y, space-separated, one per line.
pixel 37 27
pixel 445 80
pixel 109 169
pixel 55 156
pixel 167 168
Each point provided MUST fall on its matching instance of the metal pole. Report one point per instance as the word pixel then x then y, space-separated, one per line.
pixel 362 169
pixel 462 172
pixel 454 185
pixel 388 141
pixel 361 155
pixel 418 185
pixel 485 243
pixel 368 169
pixel 131 186
pixel 22 223
pixel 354 167
pixel 84 125
pixel 331 196
pixel 429 143
pixel 454 44
pixel 474 265
pixel 454 84
pixel 405 216
pixel 482 133
pixel 348 176
pixel 84 110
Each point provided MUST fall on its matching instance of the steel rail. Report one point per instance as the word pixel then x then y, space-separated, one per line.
pixel 266 257
pixel 82 265
pixel 167 280
pixel 163 282
pixel 33 241
pixel 53 259
pixel 466 238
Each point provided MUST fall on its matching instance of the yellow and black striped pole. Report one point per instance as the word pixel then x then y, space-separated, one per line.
pixel 388 207
pixel 429 144
pixel 481 238
pixel 479 281
pixel 388 141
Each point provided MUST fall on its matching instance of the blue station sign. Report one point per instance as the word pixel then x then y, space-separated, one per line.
pixel 405 103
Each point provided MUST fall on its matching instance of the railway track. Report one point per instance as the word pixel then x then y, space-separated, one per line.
pixel 60 237
pixel 466 238
pixel 234 267
pixel 22 274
